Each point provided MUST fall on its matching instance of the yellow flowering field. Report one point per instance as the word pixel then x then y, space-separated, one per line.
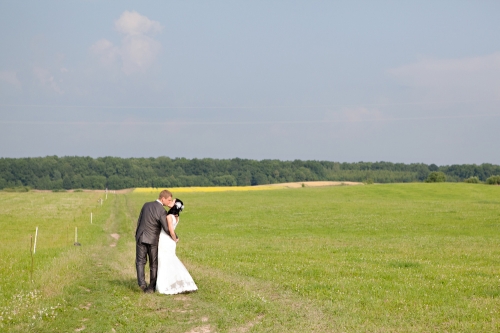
pixel 210 189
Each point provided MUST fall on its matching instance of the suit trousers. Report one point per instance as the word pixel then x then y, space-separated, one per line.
pixel 143 252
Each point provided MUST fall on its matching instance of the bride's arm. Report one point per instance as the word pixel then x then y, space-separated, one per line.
pixel 171 230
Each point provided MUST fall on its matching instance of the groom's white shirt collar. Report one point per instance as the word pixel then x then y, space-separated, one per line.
pixel 158 200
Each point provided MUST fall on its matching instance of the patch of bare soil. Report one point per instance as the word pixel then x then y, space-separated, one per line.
pixel 116 237
pixel 313 184
pixel 201 329
pixel 86 307
pixel 86 289
pixel 247 326
pixel 80 329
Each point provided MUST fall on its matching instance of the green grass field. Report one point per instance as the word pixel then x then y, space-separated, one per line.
pixel 377 258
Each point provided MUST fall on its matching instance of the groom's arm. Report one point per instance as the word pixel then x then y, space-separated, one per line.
pixel 163 220
pixel 139 221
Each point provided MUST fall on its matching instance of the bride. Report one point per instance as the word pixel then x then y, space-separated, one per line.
pixel 173 277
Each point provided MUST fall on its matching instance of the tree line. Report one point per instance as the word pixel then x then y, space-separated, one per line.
pixel 73 172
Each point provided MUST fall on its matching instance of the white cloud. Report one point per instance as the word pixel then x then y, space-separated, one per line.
pixel 137 51
pixel 133 23
pixel 47 79
pixel 452 79
pixel 11 78
pixel 105 51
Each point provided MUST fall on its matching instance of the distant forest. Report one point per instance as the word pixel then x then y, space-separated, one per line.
pixel 72 172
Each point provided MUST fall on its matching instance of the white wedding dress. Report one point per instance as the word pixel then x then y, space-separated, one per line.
pixel 173 277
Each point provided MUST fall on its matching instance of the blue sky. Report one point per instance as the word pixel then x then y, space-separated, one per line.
pixel 341 81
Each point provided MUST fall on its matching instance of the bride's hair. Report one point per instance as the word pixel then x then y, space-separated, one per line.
pixel 177 208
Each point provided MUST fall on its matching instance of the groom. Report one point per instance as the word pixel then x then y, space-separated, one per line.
pixel 153 217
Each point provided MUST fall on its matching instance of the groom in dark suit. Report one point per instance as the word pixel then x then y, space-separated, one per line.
pixel 153 217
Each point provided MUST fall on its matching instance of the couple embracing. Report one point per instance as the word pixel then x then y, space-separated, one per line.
pixel 156 241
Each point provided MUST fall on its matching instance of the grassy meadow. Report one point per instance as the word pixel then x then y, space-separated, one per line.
pixel 375 258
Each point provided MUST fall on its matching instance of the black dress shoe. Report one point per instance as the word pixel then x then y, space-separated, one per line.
pixel 149 291
pixel 144 288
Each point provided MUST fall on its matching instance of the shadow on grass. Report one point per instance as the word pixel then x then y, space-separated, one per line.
pixel 489 292
pixel 405 264
pixel 130 284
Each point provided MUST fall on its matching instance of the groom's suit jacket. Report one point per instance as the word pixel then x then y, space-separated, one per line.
pixel 152 218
